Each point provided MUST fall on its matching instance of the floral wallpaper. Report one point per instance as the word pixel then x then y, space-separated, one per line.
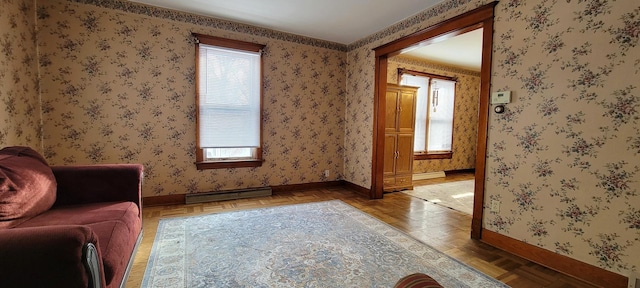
pixel 465 122
pixel 563 159
pixel 118 87
pixel 19 102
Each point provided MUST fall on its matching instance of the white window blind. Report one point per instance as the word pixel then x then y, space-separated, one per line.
pixel 229 96
pixel 420 135
pixel 441 115
pixel 434 113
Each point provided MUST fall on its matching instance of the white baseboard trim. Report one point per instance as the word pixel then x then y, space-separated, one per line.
pixel 428 175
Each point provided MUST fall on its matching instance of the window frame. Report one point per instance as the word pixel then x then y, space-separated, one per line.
pixel 201 162
pixel 424 155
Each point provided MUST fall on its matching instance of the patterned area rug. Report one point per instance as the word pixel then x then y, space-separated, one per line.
pixel 322 244
pixel 456 195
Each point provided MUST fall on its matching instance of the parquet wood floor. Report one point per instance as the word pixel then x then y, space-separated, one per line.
pixel 444 229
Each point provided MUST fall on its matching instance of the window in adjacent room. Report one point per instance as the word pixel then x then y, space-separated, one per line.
pixel 433 136
pixel 229 103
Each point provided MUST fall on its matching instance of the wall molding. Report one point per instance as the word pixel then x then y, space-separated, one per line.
pixel 306 186
pixel 428 175
pixel 185 17
pixel 460 171
pixel 401 59
pixel 163 13
pixel 555 261
pixel 364 192
pixel 179 199
pixel 162 200
pixel 411 22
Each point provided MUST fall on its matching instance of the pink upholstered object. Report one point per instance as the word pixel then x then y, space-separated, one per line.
pixel 417 280
pixel 54 219
pixel 27 185
pixel 116 226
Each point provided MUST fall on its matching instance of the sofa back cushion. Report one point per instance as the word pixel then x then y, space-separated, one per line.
pixel 27 185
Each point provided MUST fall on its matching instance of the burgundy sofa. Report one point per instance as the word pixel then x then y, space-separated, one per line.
pixel 67 226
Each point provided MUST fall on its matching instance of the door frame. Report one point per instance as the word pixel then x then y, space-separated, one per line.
pixel 481 17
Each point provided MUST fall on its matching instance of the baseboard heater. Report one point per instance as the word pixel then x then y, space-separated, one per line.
pixel 428 175
pixel 227 195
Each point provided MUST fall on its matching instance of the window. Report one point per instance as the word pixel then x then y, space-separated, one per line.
pixel 229 103
pixel 433 138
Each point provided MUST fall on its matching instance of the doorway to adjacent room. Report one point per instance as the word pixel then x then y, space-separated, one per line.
pixel 479 18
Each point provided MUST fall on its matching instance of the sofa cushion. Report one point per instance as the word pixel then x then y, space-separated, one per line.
pixel 417 280
pixel 85 214
pixel 27 185
pixel 116 225
pixel 47 256
pixel 117 243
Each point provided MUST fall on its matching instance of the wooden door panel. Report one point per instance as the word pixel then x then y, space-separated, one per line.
pixel 390 149
pixel 406 121
pixel 391 111
pixel 404 162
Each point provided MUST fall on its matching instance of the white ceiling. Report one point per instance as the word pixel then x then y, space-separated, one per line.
pixel 340 21
pixel 464 51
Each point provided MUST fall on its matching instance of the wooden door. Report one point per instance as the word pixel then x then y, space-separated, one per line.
pixel 391 118
pixel 390 149
pixel 404 158
pixel 407 114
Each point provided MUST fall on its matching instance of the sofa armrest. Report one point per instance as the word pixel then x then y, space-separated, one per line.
pixel 50 256
pixel 82 184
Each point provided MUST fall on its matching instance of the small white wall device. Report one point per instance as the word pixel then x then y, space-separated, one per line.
pixel 502 97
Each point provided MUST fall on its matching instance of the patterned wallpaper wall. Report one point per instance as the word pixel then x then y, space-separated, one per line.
pixel 119 87
pixel 465 122
pixel 563 160
pixel 19 102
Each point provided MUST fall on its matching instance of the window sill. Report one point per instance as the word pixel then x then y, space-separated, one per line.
pixel 425 156
pixel 229 164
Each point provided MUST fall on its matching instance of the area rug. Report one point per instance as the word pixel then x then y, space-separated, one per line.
pixel 456 195
pixel 321 244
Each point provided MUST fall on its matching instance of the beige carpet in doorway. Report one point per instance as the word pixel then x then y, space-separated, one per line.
pixel 455 195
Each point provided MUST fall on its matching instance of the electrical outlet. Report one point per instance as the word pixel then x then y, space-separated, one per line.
pixel 326 173
pixel 495 206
